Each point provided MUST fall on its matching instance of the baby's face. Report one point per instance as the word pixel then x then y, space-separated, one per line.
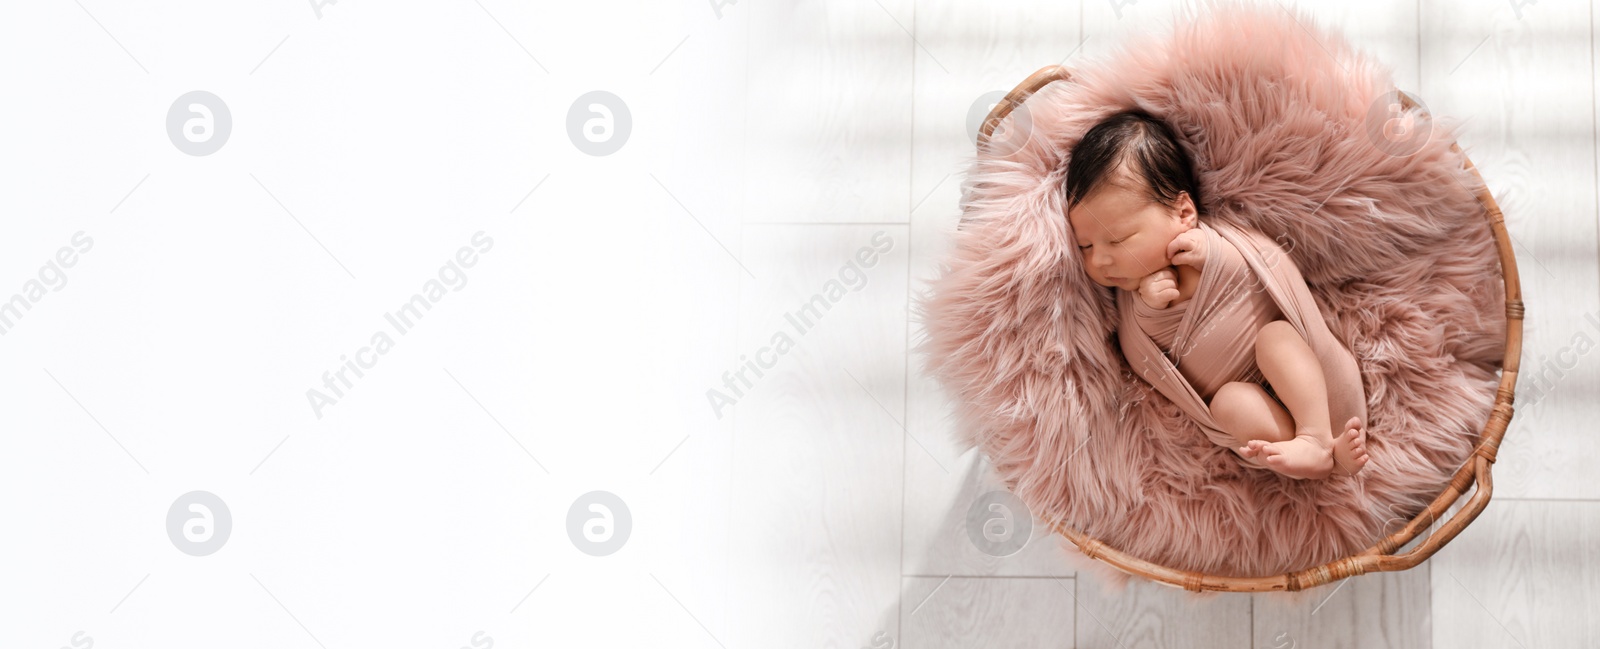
pixel 1123 235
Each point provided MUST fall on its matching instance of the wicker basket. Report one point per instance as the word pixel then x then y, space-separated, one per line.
pixel 1380 557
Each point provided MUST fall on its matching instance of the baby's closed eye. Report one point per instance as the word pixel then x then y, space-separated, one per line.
pixel 1117 241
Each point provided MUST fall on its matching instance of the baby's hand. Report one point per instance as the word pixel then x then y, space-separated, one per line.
pixel 1160 288
pixel 1188 249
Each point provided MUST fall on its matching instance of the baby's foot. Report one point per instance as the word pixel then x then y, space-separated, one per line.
pixel 1350 448
pixel 1303 457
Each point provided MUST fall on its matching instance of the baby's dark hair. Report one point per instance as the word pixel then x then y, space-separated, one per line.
pixel 1146 145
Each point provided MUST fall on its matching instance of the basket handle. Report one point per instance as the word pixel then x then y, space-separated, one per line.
pixel 1019 94
pixel 1043 77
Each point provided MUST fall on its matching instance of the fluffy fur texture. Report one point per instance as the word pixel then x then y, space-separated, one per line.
pixel 1396 250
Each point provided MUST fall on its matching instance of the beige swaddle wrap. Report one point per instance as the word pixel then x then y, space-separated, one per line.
pixel 1248 281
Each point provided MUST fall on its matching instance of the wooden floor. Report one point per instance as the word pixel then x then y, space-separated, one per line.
pixel 850 500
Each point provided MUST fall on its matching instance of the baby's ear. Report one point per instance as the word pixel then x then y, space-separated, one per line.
pixel 1187 211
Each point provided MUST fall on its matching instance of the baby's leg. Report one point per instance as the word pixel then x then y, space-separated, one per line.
pixel 1292 368
pixel 1251 416
pixel 1346 402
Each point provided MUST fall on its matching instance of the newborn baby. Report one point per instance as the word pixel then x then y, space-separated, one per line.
pixel 1132 196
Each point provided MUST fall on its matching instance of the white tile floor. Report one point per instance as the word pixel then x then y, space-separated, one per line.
pixel 790 183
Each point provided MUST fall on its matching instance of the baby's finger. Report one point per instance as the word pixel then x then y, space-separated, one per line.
pixel 1179 244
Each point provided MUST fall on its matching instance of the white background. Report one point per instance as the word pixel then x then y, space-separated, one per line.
pixel 428 506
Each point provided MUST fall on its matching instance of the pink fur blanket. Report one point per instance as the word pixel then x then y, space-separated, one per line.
pixel 1296 136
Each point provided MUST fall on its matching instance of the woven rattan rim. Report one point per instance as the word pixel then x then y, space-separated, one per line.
pixel 1380 557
